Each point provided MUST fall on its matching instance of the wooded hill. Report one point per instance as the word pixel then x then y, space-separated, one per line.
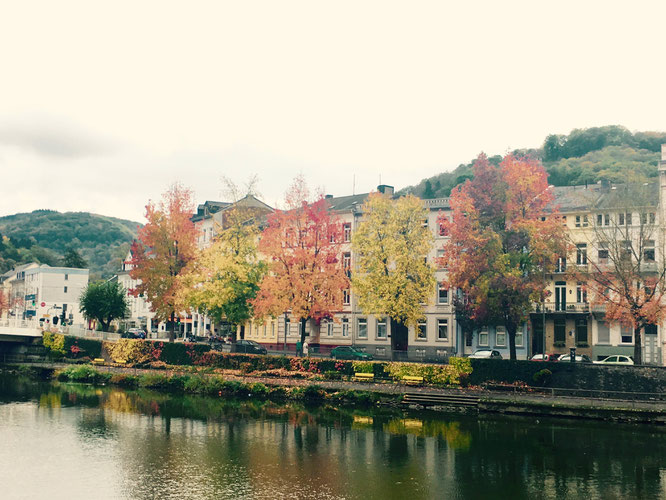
pixel 610 153
pixel 44 236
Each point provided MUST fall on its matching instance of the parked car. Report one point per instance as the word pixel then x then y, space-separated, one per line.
pixel 486 354
pixel 137 333
pixel 249 347
pixel 544 357
pixel 616 360
pixel 566 358
pixel 349 352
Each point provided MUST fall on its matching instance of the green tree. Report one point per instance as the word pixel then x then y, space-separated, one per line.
pixel 392 275
pixel 103 301
pixel 73 258
pixel 428 193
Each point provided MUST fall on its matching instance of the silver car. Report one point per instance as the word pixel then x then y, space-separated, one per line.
pixel 486 354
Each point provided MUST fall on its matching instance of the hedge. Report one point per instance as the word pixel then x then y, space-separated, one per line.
pixel 60 345
pixel 136 351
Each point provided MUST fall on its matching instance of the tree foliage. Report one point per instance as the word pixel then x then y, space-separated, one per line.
pixel 502 237
pixel 392 275
pixel 224 279
pixel 103 301
pixel 166 244
pixel 305 273
pixel 74 259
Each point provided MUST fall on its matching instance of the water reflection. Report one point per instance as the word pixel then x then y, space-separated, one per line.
pixel 142 444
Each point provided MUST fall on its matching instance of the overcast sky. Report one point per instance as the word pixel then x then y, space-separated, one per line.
pixel 104 104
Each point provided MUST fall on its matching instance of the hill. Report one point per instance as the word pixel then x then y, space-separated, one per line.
pixel 610 153
pixel 45 235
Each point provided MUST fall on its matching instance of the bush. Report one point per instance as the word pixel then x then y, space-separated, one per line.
pixel 332 375
pixel 277 393
pixel 55 343
pixel 181 353
pixel 124 380
pixel 542 377
pixel 83 373
pixel 259 390
pixel 154 381
pixel 195 384
pixel 87 347
pixel 313 393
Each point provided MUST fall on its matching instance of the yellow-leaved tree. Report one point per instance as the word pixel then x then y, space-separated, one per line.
pixel 224 279
pixel 392 276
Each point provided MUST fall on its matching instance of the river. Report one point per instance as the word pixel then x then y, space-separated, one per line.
pixel 78 441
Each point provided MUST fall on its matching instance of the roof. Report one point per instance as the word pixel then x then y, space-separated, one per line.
pixel 606 196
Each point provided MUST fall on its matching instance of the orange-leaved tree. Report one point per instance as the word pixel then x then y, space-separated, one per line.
pixel 305 273
pixel 165 245
pixel 503 235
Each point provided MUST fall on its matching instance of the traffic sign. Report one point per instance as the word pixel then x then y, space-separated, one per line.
pixel 43 304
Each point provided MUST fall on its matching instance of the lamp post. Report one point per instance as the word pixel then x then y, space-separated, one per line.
pixel 286 318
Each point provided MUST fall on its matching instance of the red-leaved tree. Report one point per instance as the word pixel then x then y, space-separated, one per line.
pixel 165 245
pixel 305 272
pixel 503 235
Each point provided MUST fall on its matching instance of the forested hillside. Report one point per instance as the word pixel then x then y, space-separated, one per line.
pixel 45 236
pixel 585 155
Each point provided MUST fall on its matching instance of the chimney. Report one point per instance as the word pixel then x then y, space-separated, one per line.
pixel 385 189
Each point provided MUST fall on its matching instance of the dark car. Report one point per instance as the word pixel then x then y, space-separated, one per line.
pixel 137 333
pixel 249 347
pixel 348 352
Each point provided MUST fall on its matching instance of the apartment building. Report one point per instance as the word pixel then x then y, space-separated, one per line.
pixel 43 292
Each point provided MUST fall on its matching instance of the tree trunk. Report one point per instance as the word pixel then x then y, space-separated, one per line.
pixel 638 348
pixel 511 331
pixel 303 323
pixel 172 328
pixel 242 332
pixel 105 326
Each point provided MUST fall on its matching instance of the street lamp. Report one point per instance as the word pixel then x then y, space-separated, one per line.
pixel 286 319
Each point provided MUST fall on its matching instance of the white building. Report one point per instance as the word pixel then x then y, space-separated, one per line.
pixel 43 292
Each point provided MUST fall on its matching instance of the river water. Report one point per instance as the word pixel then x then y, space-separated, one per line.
pixel 78 441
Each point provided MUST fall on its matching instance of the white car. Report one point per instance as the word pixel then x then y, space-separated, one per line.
pixel 579 358
pixel 486 354
pixel 616 360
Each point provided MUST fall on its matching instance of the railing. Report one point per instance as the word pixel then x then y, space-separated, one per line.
pixel 550 307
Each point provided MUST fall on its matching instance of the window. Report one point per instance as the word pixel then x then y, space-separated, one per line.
pixel 577 220
pixel 599 219
pixel 329 328
pixel 603 333
pixel 265 328
pixel 347 232
pixel 621 219
pixel 287 327
pixel 442 329
pixel 421 331
pixel 256 330
pixel 346 263
pixel 345 297
pixel 66 277
pixel 629 219
pixel 362 324
pixel 648 251
pixel 581 254
pixel 442 230
pixel 561 265
pixel 65 290
pixel 625 251
pixel 442 294
pixel 652 217
pixel 626 334
pixel 425 222
pixel 581 331
pixel 585 221
pixel 606 219
pixel 602 255
pixel 380 352
pixel 483 336
pixel 272 328
pixel 560 331
pixel 500 336
pixel 381 328
pixel 581 293
pixel 519 338
pixel 345 327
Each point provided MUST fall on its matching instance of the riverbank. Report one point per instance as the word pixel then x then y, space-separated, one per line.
pixel 465 400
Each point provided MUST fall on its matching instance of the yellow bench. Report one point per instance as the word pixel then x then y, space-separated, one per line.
pixel 412 380
pixel 120 362
pixel 364 376
pixel 98 361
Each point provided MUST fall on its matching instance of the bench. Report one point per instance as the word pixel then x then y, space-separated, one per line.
pixel 98 361
pixel 409 380
pixel 368 377
pixel 120 362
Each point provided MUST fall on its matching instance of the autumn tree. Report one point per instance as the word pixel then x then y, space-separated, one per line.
pixel 305 273
pixel 627 277
pixel 103 301
pixel 391 245
pixel 503 235
pixel 4 302
pixel 166 244
pixel 224 279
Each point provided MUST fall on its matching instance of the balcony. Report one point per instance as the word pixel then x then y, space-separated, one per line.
pixel 553 307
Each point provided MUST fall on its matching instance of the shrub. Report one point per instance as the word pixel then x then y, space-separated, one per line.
pixel 124 380
pixel 363 366
pixel 83 373
pixel 313 393
pixel 154 380
pixel 332 375
pixel 195 384
pixel 88 347
pixel 55 343
pixel 259 390
pixel 181 353
pixel 542 377
pixel 277 393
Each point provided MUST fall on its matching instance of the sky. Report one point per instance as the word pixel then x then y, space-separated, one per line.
pixel 103 105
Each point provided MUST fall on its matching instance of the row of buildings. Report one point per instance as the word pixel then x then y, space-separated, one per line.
pixel 566 319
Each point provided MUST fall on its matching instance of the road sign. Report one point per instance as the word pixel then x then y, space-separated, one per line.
pixel 43 304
